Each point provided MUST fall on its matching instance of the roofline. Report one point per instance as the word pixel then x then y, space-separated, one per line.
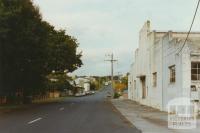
pixel 179 32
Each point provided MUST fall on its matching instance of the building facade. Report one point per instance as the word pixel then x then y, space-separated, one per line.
pixel 83 83
pixel 163 69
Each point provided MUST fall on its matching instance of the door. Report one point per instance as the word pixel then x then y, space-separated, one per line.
pixel 144 91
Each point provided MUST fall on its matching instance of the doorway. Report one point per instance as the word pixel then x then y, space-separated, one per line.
pixel 143 83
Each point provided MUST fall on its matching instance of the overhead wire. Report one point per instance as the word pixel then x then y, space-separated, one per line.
pixel 190 27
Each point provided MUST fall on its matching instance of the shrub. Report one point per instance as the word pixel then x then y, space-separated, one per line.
pixel 116 95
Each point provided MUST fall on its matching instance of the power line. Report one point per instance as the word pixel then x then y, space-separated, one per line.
pixel 190 27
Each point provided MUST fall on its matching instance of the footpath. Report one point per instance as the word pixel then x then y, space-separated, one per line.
pixel 147 119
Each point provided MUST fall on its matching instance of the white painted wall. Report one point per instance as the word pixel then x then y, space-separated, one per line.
pixel 157 51
pixel 86 87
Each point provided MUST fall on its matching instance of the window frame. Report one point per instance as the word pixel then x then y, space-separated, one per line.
pixel 154 79
pixel 197 69
pixel 135 84
pixel 172 74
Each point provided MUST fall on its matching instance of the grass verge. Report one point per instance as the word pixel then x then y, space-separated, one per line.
pixel 12 107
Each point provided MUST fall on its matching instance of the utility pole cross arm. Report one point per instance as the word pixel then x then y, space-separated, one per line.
pixel 111 60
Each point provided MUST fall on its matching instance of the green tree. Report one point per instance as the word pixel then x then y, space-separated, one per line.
pixel 31 48
pixel 125 80
pixel 59 81
pixel 23 46
pixel 63 52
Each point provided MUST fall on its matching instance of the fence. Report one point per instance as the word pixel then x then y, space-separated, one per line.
pixel 3 100
pixel 20 99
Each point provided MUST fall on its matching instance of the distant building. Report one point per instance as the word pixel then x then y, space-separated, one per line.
pixel 160 73
pixel 84 83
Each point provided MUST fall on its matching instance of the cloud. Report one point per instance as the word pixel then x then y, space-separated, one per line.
pixel 103 26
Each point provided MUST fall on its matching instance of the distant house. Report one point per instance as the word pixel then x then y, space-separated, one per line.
pixel 163 69
pixel 83 83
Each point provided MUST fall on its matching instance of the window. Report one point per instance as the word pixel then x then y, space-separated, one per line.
pixel 172 75
pixel 195 70
pixel 135 84
pixel 155 79
pixel 193 88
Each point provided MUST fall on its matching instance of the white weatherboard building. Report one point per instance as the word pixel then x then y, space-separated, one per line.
pixel 160 72
pixel 84 83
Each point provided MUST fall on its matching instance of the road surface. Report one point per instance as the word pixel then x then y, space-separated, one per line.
pixel 89 114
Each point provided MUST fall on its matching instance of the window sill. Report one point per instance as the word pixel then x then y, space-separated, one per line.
pixel 195 81
pixel 172 84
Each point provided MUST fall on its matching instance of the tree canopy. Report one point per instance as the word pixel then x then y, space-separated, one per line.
pixel 30 48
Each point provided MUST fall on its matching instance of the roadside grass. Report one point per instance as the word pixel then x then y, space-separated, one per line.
pixel 12 107
pixel 48 100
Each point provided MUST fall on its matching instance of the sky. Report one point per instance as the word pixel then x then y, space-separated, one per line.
pixel 103 27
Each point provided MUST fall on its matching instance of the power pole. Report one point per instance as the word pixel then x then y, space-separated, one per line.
pixel 111 60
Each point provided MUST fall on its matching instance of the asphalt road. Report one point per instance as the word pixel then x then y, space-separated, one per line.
pixel 89 114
